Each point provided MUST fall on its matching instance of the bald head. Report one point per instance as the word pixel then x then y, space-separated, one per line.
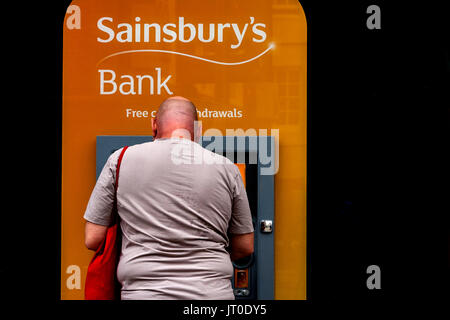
pixel 175 115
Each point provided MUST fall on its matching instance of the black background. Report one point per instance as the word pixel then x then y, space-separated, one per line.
pixel 373 156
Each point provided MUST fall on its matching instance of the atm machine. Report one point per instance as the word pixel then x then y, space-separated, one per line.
pixel 253 277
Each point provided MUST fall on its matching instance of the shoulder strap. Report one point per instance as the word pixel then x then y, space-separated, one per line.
pixel 119 161
pixel 118 167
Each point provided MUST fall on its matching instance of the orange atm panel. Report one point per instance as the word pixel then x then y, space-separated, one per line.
pixel 248 79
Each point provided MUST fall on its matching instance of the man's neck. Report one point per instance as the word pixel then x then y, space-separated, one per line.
pixel 174 135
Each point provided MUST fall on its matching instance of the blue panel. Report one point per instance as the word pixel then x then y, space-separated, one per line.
pixel 229 147
pixel 264 242
pixel 106 145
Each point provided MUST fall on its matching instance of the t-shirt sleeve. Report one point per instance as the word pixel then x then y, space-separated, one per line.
pixel 241 218
pixel 100 205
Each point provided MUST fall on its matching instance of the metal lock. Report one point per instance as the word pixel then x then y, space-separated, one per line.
pixel 266 226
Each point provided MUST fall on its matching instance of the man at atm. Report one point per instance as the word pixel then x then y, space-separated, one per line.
pixel 184 213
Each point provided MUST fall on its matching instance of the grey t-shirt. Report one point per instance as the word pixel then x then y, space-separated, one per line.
pixel 176 201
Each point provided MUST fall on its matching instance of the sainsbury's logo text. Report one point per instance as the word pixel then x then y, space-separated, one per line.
pixel 181 31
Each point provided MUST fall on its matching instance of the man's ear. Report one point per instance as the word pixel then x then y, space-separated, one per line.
pixel 154 127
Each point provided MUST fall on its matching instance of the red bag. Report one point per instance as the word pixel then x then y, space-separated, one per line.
pixel 101 279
